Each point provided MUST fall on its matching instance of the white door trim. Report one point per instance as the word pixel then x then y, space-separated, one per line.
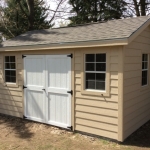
pixel 49 90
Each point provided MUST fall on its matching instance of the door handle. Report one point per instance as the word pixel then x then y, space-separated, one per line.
pixel 45 92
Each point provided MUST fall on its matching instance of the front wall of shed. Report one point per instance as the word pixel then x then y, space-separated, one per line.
pixel 136 98
pixel 91 114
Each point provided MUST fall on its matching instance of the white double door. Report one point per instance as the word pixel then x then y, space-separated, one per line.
pixel 47 80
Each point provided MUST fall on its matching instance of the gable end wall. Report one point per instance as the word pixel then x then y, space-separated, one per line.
pixel 136 99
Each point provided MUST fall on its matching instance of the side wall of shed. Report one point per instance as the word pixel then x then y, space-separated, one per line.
pixel 136 98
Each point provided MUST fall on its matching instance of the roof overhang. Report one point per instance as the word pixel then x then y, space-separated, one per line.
pixel 111 42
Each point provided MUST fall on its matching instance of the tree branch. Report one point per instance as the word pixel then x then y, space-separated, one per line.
pixel 5 26
pixel 22 8
pixel 56 10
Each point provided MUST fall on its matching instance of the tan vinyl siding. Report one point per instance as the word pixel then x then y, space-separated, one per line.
pixel 136 98
pixel 11 96
pixel 96 114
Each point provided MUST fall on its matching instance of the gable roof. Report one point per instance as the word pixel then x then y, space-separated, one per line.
pixel 96 32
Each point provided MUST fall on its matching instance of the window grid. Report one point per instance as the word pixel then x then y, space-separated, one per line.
pixel 10 69
pixel 144 69
pixel 95 72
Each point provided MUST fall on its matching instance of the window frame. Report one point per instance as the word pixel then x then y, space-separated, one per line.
pixel 145 69
pixel 85 91
pixel 10 84
pixel 95 72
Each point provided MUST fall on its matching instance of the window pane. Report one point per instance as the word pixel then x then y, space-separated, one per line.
pixel 7 73
pixel 144 77
pixel 13 73
pixel 100 66
pixel 6 58
pixel 90 67
pixel 100 77
pixel 144 57
pixel 13 79
pixel 90 76
pixel 90 84
pixel 12 58
pixel 7 78
pixel 144 74
pixel 12 65
pixel 144 65
pixel 7 66
pixel 144 81
pixel 100 85
pixel 90 57
pixel 100 57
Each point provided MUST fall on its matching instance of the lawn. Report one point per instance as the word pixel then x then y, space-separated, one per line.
pixel 22 134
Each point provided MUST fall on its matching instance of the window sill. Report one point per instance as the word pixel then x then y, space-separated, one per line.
pixel 11 84
pixel 144 88
pixel 95 92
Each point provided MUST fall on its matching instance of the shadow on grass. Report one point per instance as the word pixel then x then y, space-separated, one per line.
pixel 140 138
pixel 18 126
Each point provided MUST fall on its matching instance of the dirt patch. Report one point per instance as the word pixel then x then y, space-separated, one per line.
pixel 16 133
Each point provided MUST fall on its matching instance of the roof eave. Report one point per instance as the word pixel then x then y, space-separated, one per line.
pixel 139 31
pixel 112 42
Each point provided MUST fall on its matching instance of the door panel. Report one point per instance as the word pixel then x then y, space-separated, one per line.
pixel 59 108
pixel 34 75
pixel 34 67
pixel 58 73
pixel 35 105
pixel 59 68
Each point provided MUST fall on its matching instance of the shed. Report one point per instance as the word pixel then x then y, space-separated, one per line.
pixel 92 78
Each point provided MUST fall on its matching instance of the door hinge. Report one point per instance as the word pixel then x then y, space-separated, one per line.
pixel 24 117
pixel 23 56
pixel 71 55
pixel 71 128
pixel 70 92
pixel 24 87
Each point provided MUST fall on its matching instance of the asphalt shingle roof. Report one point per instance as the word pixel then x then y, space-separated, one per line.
pixel 114 29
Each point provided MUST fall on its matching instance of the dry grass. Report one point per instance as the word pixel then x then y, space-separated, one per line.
pixel 21 134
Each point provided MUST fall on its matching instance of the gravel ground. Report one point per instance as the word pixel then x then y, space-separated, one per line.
pixel 19 134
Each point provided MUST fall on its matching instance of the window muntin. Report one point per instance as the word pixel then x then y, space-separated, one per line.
pixel 10 69
pixel 95 71
pixel 144 69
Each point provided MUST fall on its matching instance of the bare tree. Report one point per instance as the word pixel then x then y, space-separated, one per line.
pixel 3 20
pixel 59 11
pixel 60 8
pixel 138 7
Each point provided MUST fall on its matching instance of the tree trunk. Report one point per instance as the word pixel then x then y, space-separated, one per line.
pixel 143 5
pixel 136 8
pixel 30 4
pixel 95 9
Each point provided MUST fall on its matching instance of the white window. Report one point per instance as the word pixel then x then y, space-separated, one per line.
pixel 10 69
pixel 144 69
pixel 95 71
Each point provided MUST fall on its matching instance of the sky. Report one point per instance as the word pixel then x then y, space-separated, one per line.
pixel 61 17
